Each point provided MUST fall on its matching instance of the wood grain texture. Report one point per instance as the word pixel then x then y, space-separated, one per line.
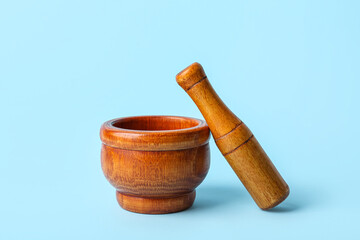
pixel 155 162
pixel 235 141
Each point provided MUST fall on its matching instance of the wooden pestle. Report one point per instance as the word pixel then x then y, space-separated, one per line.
pixel 235 141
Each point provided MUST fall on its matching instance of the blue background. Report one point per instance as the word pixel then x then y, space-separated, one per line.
pixel 288 69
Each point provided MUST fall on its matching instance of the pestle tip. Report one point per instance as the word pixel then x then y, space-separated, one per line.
pixel 190 76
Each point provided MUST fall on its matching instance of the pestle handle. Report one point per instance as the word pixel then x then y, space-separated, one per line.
pixel 235 141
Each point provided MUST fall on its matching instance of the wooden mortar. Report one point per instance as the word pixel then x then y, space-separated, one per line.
pixel 155 162
pixel 235 141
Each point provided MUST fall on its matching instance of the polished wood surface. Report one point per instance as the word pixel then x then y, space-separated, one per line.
pixel 155 162
pixel 235 141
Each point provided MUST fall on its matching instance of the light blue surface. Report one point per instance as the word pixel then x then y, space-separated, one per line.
pixel 289 69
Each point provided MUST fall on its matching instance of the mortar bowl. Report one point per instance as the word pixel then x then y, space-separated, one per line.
pixel 155 162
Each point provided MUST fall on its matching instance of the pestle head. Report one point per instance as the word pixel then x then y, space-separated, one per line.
pixel 190 76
